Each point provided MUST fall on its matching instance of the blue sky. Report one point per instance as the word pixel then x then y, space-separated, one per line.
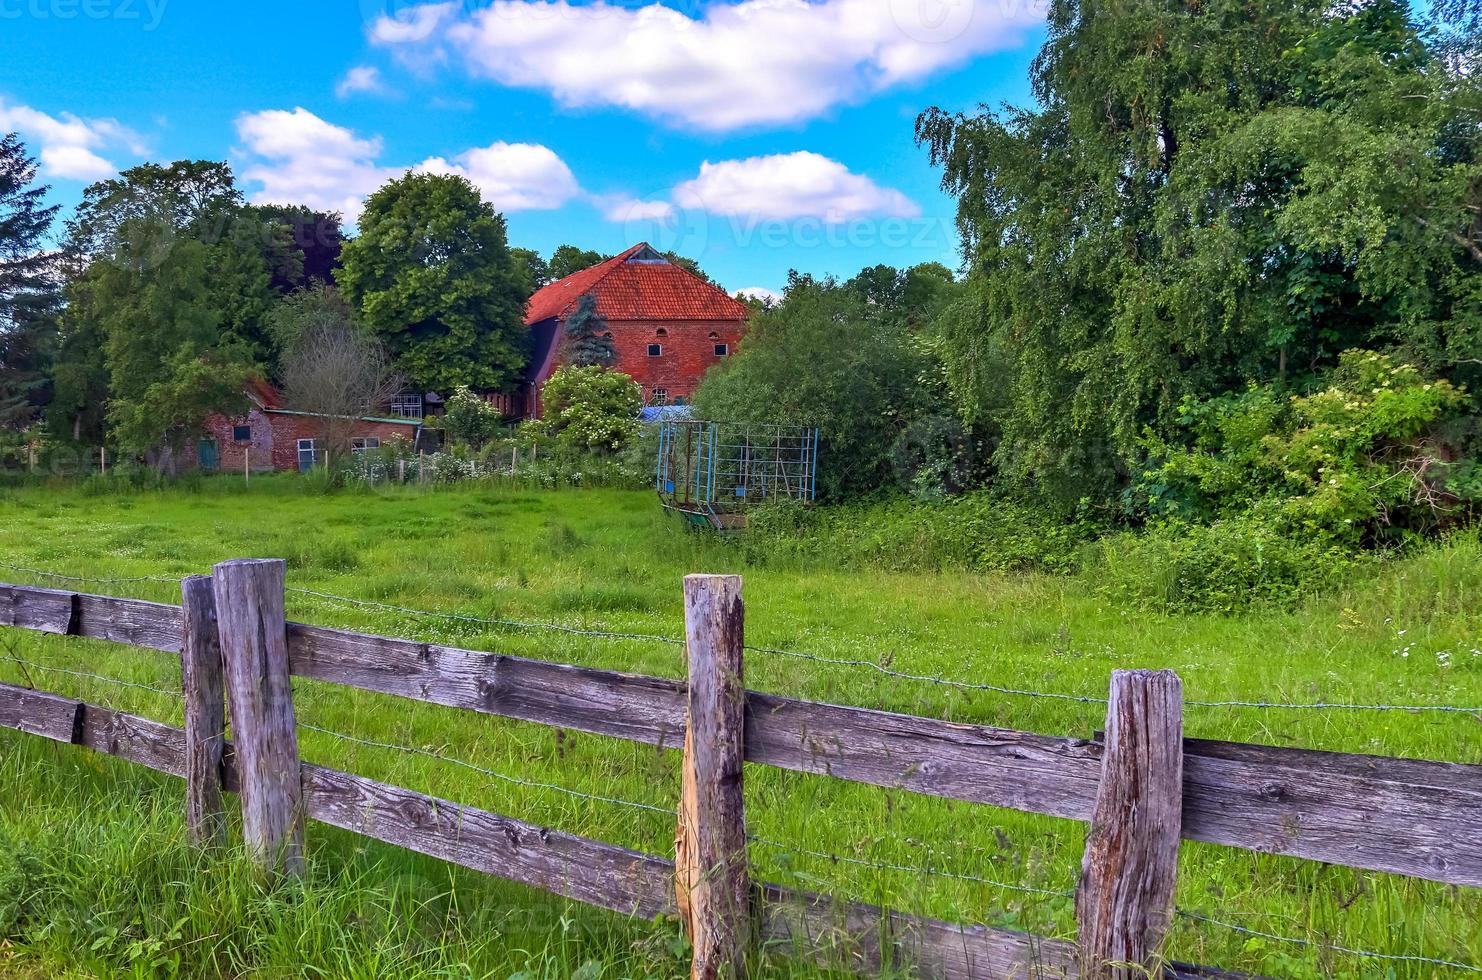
pixel 754 135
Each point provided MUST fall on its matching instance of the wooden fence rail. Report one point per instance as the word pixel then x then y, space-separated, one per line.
pixel 1142 788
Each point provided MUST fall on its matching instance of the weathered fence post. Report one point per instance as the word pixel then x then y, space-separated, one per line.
pixel 1124 902
pixel 205 713
pixel 711 881
pixel 254 644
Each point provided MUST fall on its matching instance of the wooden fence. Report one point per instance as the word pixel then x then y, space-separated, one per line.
pixel 1142 787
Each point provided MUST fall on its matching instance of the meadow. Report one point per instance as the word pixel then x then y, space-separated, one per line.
pixel 95 879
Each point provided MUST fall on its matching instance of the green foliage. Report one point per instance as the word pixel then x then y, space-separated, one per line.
pixel 587 341
pixel 568 259
pixel 827 356
pixel 1353 462
pixel 590 408
pixel 27 287
pixel 431 275
pixel 1225 567
pixel 1203 197
pixel 317 306
pixel 470 419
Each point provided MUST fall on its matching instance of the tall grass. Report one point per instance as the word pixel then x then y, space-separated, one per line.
pixel 98 842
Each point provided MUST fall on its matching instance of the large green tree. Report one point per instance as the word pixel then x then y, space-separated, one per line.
pixel 174 291
pixel 1204 194
pixel 827 356
pixel 431 274
pixel 27 286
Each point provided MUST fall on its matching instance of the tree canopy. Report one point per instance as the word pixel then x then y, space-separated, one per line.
pixel 1204 195
pixel 432 276
pixel 28 286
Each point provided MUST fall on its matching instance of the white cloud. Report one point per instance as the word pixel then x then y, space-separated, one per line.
pixel 300 158
pixel 513 176
pixel 361 78
pixel 620 207
pixel 747 63
pixel 760 292
pixel 69 145
pixel 789 186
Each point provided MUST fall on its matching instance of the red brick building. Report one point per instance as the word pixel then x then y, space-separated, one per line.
pixel 667 325
pixel 271 437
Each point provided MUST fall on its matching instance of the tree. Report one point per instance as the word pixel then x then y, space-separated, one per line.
pixel 312 241
pixel 173 297
pixel 591 408
pixel 27 286
pixel 1204 196
pixel 338 374
pixel 568 259
pixel 316 305
pixel 827 357
pixel 587 341
pixel 431 275
pixel 534 269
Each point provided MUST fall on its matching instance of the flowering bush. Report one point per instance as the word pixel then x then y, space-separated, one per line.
pixel 591 408
pixel 1355 462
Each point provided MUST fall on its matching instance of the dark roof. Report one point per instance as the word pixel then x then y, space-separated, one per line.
pixel 639 284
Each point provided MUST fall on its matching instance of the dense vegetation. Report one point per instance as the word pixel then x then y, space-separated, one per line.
pixel 97 882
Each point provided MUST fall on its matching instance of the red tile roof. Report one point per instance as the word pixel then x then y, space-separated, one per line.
pixel 631 288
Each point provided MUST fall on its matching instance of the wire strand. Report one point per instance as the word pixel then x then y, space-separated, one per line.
pixel 1331 947
pixel 502 777
pixel 510 623
pixel 87 578
pixel 882 866
pixel 10 658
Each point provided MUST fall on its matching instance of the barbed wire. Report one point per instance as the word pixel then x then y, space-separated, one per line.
pixel 11 658
pixel 932 872
pixel 509 623
pixel 1330 947
pixel 88 578
pixel 502 777
pixel 872 665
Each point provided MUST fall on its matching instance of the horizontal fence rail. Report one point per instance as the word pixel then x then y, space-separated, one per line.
pixel 1405 816
pixel 587 871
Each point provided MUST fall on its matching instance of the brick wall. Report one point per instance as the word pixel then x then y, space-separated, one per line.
pixel 688 352
pixel 274 443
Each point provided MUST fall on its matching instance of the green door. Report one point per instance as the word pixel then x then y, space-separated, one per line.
pixel 208 456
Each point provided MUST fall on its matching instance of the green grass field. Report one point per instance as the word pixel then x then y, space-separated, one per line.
pixel 94 879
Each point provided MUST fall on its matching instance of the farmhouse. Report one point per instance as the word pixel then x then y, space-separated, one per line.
pixel 668 325
pixel 271 437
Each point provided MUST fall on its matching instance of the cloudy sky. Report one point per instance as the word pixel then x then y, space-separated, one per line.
pixel 754 135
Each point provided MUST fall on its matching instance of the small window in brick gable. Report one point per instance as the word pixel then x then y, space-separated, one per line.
pixel 241 433
pixel 722 350
pixel 655 350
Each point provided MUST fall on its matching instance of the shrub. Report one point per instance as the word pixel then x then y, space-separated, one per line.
pixel 470 419
pixel 591 408
pixel 1353 463
pixel 1222 567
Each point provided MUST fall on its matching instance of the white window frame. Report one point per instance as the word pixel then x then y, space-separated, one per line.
pixel 311 447
pixel 722 350
pixel 364 444
pixel 407 405
pixel 655 350
pixel 658 396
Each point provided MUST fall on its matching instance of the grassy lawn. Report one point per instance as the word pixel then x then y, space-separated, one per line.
pixel 109 890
